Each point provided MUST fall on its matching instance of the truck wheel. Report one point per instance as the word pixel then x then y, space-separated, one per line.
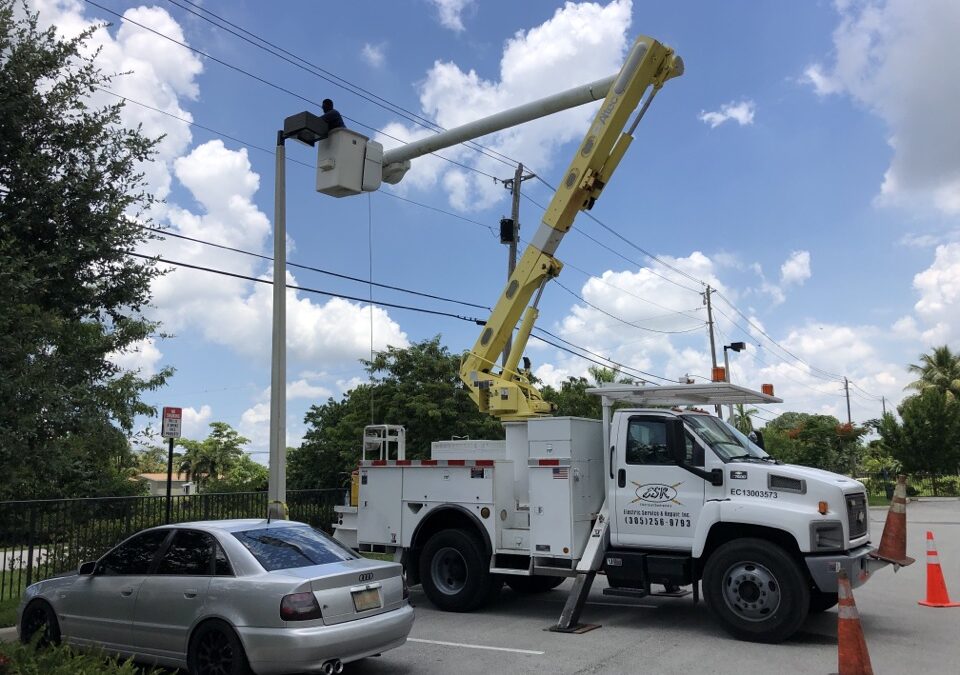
pixel 531 585
pixel 821 602
pixel 756 590
pixel 454 572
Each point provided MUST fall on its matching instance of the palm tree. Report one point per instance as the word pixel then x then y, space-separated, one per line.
pixel 938 370
pixel 213 457
pixel 741 419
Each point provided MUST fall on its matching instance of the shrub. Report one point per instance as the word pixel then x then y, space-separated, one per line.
pixel 20 659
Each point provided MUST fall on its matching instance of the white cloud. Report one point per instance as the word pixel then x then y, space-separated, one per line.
pixel 238 313
pixel 196 422
pixel 157 73
pixel 374 55
pixel 741 113
pixel 939 288
pixel 580 43
pixel 893 57
pixel 303 389
pixel 796 268
pixel 141 356
pixel 255 425
pixel 450 11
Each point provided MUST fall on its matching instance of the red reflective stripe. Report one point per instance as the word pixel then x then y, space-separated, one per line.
pixel 428 462
pixel 548 462
pixel 484 462
pixel 403 462
pixel 456 462
pixel 379 462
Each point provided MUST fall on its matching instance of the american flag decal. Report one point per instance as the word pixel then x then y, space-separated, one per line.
pixel 561 473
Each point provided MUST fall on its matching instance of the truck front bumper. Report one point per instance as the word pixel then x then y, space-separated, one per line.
pixel 857 563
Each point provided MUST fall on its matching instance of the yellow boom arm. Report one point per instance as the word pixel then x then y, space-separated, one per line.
pixel 506 392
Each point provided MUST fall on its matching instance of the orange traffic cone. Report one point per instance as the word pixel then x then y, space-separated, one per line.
pixel 853 657
pixel 893 541
pixel 936 587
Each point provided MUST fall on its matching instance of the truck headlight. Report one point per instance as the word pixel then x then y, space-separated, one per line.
pixel 826 536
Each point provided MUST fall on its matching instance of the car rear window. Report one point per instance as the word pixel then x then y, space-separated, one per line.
pixel 283 548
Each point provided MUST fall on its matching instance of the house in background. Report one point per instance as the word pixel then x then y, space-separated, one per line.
pixel 157 484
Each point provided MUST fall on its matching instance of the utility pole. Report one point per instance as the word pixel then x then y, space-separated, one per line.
pixel 713 346
pixel 883 402
pixel 513 184
pixel 846 389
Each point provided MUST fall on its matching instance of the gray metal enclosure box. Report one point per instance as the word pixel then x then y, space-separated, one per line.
pixel 567 492
pixel 565 437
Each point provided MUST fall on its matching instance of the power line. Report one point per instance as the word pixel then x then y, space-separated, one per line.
pixel 621 320
pixel 314 269
pixel 606 358
pixel 274 85
pixel 764 333
pixel 617 253
pixel 422 310
pixel 389 194
pixel 307 289
pixel 336 80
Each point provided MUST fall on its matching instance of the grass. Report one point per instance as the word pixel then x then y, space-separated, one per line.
pixel 377 556
pixel 8 612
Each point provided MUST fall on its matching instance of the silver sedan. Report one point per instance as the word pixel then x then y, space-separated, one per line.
pixel 227 597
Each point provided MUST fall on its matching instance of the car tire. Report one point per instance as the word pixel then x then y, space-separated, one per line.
pixel 215 648
pixel 454 572
pixel 756 590
pixel 533 585
pixel 821 602
pixel 39 616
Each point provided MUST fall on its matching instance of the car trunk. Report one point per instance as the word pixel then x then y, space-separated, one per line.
pixel 353 589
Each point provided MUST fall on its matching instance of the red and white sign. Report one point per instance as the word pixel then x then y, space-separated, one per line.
pixel 172 418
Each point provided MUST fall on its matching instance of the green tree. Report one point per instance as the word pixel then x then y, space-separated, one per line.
pixel 71 206
pixel 928 436
pixel 150 459
pixel 938 370
pixel 246 475
pixel 213 458
pixel 819 441
pixel 572 398
pixel 742 418
pixel 418 387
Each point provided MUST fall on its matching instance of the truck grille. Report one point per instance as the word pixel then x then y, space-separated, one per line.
pixel 857 514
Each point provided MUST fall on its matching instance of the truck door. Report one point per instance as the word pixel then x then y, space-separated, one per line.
pixel 657 502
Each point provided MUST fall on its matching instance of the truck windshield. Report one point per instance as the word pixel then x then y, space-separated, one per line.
pixel 723 438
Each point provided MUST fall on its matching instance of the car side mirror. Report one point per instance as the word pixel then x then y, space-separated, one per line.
pixel 88 568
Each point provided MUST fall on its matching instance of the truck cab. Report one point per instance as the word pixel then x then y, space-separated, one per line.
pixel 692 498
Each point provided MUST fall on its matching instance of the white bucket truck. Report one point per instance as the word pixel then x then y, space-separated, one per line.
pixel 661 496
pixel 648 495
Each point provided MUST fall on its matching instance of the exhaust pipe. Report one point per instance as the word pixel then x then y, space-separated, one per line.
pixel 332 667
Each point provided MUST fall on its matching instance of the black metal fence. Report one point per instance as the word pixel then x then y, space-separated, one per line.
pixel 918 485
pixel 42 538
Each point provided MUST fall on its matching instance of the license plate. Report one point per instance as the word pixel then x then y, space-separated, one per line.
pixel 367 599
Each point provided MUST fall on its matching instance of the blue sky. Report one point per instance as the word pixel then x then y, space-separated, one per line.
pixel 806 164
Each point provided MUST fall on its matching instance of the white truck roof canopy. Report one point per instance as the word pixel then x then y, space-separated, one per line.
pixel 710 393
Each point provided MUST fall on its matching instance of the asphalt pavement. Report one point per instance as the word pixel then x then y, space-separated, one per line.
pixel 665 635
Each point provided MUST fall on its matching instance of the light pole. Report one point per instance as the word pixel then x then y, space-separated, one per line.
pixel 306 128
pixel 737 347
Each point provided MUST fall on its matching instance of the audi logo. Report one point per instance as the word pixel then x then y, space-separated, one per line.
pixel 366 577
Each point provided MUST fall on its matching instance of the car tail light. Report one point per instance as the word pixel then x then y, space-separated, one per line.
pixel 299 607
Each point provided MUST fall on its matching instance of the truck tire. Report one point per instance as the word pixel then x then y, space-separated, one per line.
pixel 454 572
pixel 821 602
pixel 756 590
pixel 532 585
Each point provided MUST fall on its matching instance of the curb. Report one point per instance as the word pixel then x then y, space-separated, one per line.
pixel 8 634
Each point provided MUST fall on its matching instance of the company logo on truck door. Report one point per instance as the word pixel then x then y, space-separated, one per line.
pixel 657 493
